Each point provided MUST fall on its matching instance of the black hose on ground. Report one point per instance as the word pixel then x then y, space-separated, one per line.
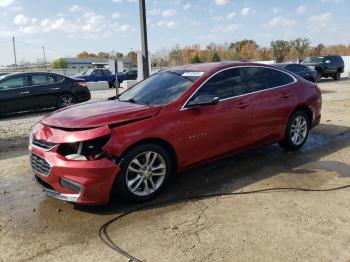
pixel 109 242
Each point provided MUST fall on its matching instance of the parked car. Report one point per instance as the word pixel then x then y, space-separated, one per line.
pixel 175 119
pixel 37 90
pixel 301 70
pixel 3 73
pixel 127 75
pixel 97 75
pixel 326 66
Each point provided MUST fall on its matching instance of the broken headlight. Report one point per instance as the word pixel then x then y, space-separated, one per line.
pixel 84 150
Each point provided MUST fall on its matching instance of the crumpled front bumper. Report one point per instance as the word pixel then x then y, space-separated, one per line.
pixel 94 178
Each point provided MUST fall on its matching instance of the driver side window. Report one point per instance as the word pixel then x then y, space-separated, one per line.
pixel 12 83
pixel 225 84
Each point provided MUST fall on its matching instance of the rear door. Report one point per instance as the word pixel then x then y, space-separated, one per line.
pixel 209 131
pixel 14 94
pixel 44 89
pixel 271 102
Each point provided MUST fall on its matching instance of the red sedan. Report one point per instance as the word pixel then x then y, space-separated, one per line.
pixel 173 120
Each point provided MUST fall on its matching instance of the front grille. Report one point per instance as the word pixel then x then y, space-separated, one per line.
pixel 40 165
pixel 43 144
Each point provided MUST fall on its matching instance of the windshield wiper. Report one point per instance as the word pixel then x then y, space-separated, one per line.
pixel 132 100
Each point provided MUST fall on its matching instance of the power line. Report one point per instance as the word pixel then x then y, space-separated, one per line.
pixel 48 49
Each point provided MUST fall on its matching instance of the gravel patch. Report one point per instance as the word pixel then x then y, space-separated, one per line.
pixel 15 129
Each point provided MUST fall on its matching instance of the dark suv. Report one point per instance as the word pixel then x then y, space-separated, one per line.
pixel 326 66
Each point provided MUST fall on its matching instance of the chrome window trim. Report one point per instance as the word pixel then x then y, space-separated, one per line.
pixel 48 74
pixel 29 74
pixel 233 67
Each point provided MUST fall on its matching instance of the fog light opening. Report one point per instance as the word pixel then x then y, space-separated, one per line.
pixel 67 184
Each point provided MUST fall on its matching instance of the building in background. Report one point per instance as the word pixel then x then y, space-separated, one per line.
pixel 82 64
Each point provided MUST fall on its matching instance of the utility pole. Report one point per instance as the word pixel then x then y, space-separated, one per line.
pixel 14 51
pixel 44 58
pixel 177 55
pixel 145 65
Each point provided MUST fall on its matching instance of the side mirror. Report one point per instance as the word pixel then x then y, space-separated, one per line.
pixel 328 61
pixel 203 100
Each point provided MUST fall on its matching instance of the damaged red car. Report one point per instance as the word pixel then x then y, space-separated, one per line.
pixel 133 143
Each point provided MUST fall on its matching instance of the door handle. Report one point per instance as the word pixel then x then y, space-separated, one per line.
pixel 286 95
pixel 24 92
pixel 241 105
pixel 55 88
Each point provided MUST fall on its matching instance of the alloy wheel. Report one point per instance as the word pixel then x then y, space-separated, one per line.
pixel 298 130
pixel 66 100
pixel 145 173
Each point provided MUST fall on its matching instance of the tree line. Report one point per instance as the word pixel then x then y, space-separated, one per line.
pixel 243 50
pixel 246 50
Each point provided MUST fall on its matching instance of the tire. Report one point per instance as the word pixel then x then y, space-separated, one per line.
pixel 135 182
pixel 66 100
pixel 296 132
pixel 110 84
pixel 336 77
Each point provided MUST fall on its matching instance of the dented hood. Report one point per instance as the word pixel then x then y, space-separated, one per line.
pixel 98 114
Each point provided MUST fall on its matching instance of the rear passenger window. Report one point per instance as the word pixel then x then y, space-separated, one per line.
pixel 42 79
pixel 225 84
pixel 58 78
pixel 261 78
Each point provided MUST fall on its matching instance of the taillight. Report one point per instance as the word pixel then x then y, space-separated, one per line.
pixel 317 88
pixel 84 84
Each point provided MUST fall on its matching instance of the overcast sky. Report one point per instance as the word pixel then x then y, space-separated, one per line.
pixel 67 27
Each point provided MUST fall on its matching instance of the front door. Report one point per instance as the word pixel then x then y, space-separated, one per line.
pixel 14 94
pixel 212 130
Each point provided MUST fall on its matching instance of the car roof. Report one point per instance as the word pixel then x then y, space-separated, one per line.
pixel 214 66
pixel 287 64
pixel 32 72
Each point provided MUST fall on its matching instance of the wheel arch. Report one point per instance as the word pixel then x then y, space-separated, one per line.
pixel 158 141
pixel 66 92
pixel 306 109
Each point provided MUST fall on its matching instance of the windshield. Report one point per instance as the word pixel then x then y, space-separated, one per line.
pixel 159 89
pixel 88 72
pixel 313 60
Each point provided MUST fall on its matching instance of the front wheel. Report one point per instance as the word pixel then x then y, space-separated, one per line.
pixel 297 131
pixel 65 100
pixel 144 172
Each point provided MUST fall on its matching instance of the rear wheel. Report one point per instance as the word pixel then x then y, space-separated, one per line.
pixel 66 100
pixel 144 173
pixel 336 77
pixel 297 131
